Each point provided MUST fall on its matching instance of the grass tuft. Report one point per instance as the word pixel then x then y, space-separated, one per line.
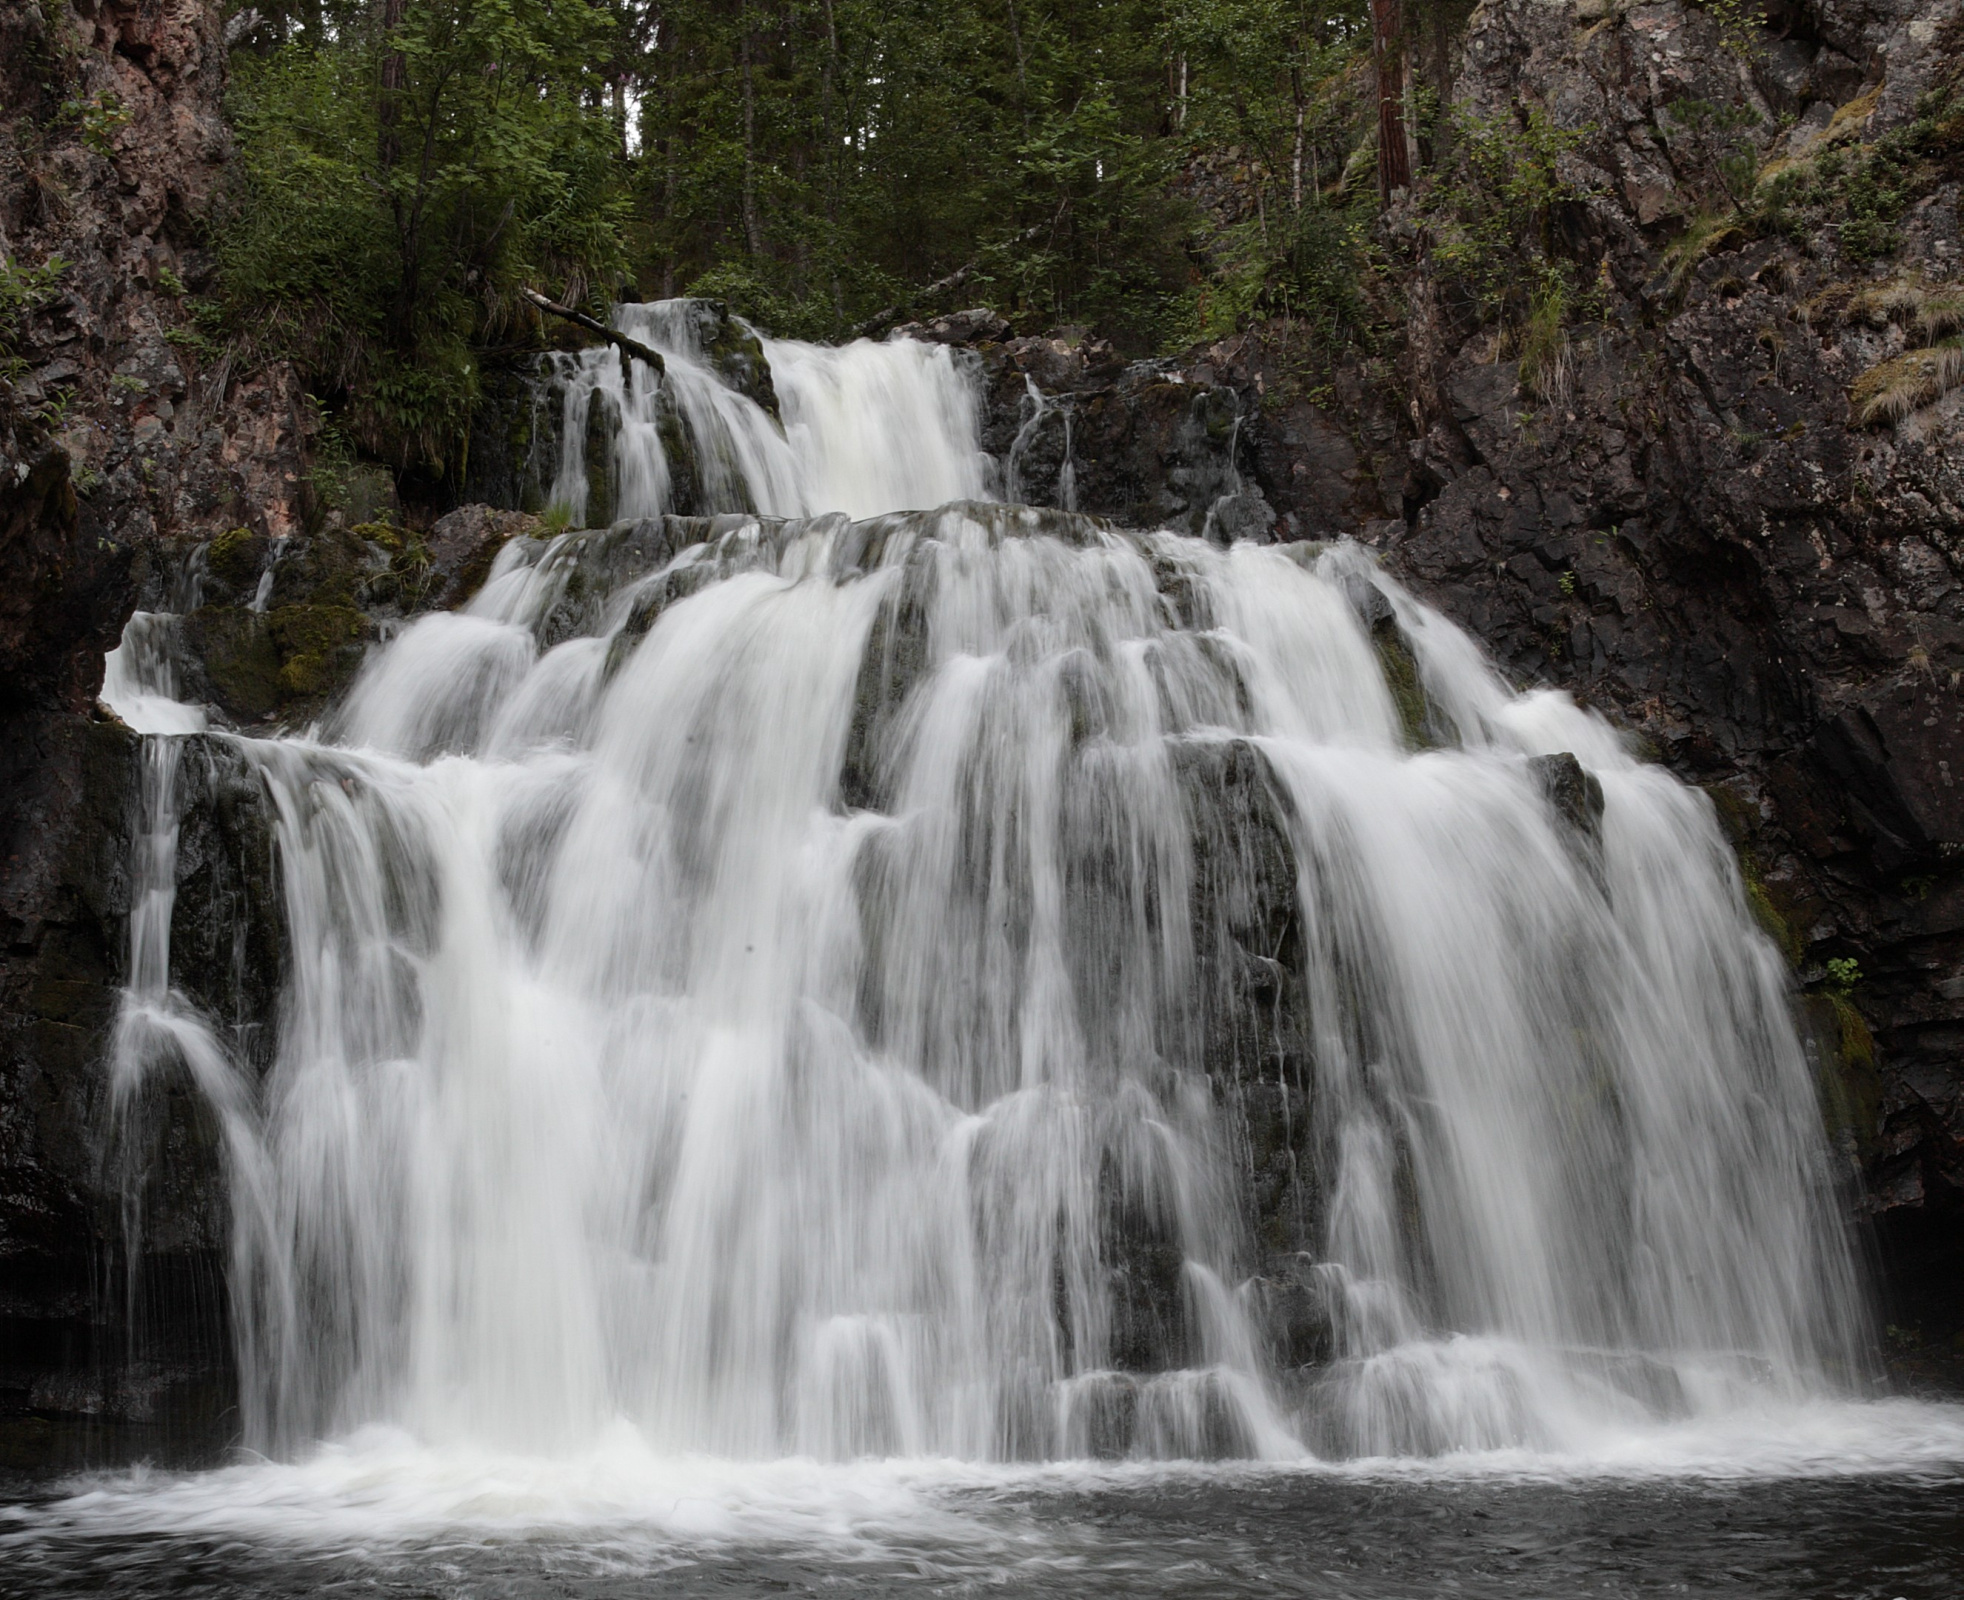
pixel 1908 382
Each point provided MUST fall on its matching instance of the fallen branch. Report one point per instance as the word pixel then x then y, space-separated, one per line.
pixel 620 341
pixel 940 286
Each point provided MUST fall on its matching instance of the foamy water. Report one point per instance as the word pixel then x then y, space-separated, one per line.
pixel 749 1007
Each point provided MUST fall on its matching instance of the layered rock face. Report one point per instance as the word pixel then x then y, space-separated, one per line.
pixel 1727 513
pixel 125 438
pixel 1712 529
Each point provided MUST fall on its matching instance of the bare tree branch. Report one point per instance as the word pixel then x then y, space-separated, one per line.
pixel 620 341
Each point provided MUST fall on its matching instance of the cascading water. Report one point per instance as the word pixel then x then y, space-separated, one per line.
pixel 864 428
pixel 769 980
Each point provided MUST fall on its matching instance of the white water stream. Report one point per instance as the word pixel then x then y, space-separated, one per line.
pixel 772 1029
pixel 864 428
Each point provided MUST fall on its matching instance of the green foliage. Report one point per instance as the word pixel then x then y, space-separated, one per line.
pixel 101 118
pixel 1493 220
pixel 1279 84
pixel 1543 339
pixel 1860 194
pixel 1739 23
pixel 409 167
pixel 1718 141
pixel 1493 212
pixel 23 291
pixel 384 235
pixel 1844 973
pixel 816 161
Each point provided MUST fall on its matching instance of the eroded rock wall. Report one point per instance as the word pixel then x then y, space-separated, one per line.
pixel 127 438
pixel 1729 514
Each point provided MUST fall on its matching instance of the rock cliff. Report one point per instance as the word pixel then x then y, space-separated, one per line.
pixel 126 438
pixel 1726 510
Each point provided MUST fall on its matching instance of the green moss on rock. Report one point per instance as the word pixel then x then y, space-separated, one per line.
pixel 1400 668
pixel 234 559
pixel 242 665
pixel 320 647
pixel 1767 911
pixel 1848 1076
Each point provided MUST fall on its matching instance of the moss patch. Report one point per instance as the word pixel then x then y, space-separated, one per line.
pixel 242 665
pixel 1400 668
pixel 234 559
pixel 319 647
pixel 1849 1084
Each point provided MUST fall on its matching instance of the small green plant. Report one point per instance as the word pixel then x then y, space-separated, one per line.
pixel 54 409
pixel 1738 24
pixel 191 341
pixel 1545 361
pixel 23 291
pixel 102 117
pixel 1566 583
pixel 1495 222
pixel 169 281
pixel 555 519
pixel 1720 139
pixel 128 383
pixel 1844 973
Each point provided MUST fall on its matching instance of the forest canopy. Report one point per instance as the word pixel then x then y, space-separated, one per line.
pixel 1155 170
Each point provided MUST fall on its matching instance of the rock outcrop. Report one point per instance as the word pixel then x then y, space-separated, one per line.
pixel 127 438
pixel 1728 510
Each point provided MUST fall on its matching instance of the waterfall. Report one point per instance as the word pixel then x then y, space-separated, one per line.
pixel 862 428
pixel 1036 409
pixel 975 982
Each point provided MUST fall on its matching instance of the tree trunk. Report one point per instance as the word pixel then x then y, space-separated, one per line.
pixel 753 226
pixel 1022 72
pixel 1388 53
pixel 1296 155
pixel 833 145
pixel 395 73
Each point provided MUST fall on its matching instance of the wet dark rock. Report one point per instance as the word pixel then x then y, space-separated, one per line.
pixel 1250 1026
pixel 978 325
pixel 1147 445
pixel 733 350
pixel 228 927
pixel 1695 536
pixel 514 439
pixel 1573 791
pixel 603 425
pixel 462 545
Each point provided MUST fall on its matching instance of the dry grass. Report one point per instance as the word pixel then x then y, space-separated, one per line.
pixel 1909 382
pixel 1707 232
pixel 1927 312
pixel 1932 311
pixel 1546 362
pixel 1848 120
